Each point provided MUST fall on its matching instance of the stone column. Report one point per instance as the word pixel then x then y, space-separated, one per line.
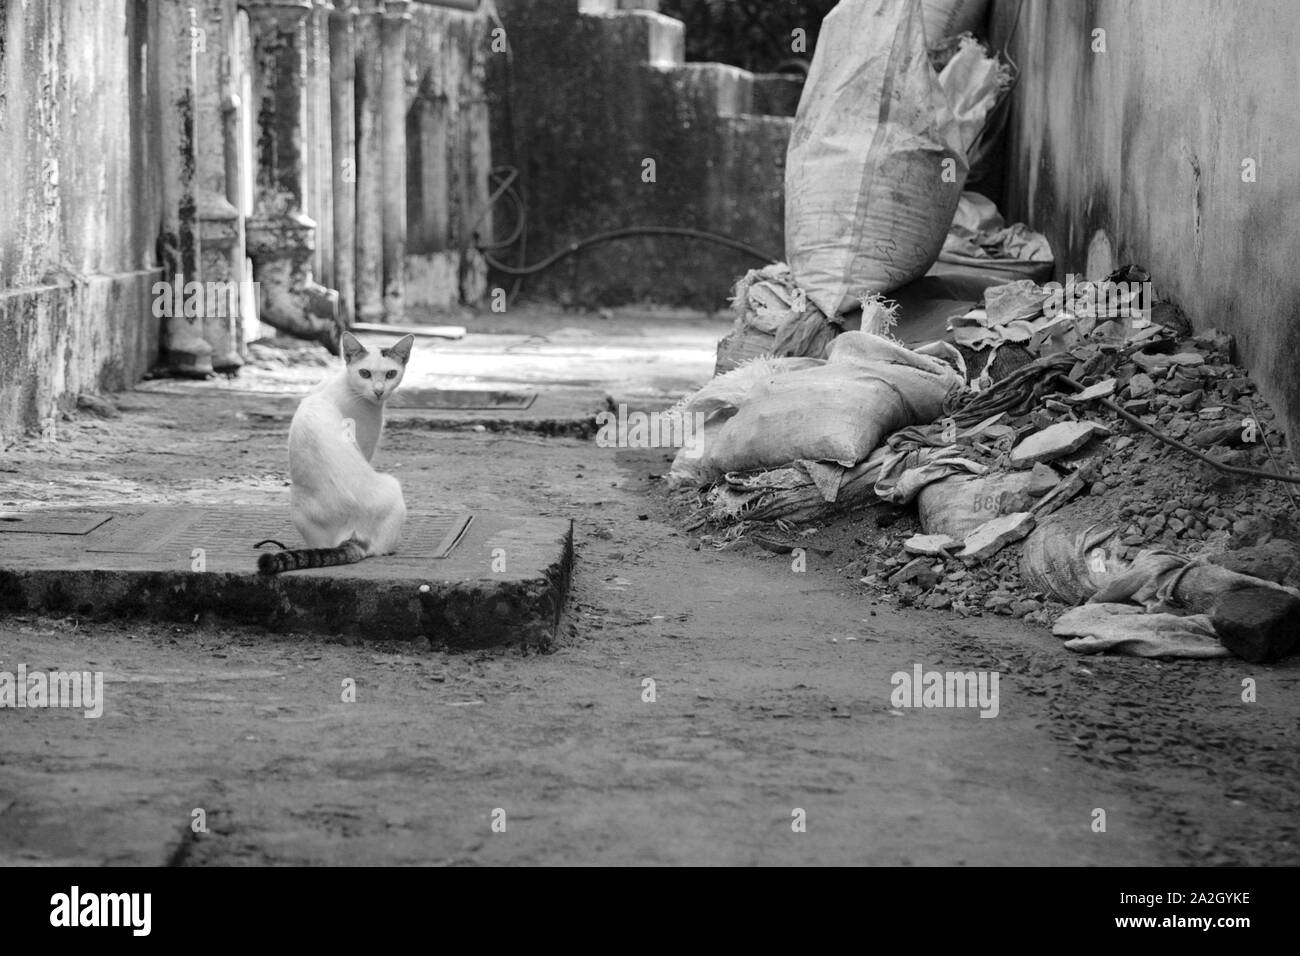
pixel 397 18
pixel 343 136
pixel 320 202
pixel 280 236
pixel 221 227
pixel 187 352
pixel 370 176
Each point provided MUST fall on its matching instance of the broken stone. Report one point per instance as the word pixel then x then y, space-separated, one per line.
pixel 918 572
pixel 1258 624
pixel 1028 606
pixel 1059 496
pixel 929 544
pixel 989 538
pixel 1228 434
pixel 1103 389
pixel 97 405
pixel 1052 405
pixel 1140 385
pixel 907 593
pixel 1151 363
pixel 1212 413
pixel 1042 479
pixel 1055 441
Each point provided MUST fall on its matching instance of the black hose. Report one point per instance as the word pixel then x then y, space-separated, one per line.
pixel 624 233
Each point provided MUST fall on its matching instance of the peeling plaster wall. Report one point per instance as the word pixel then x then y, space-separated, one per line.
pixel 77 219
pixel 1144 144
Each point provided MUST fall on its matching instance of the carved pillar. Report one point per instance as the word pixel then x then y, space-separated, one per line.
pixel 280 235
pixel 320 202
pixel 396 19
pixel 343 136
pixel 221 227
pixel 187 352
pixel 370 175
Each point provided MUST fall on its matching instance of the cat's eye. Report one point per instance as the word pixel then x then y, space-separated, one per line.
pixel 392 372
pixel 364 373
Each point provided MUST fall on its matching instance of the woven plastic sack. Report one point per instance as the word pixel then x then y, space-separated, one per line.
pixel 876 162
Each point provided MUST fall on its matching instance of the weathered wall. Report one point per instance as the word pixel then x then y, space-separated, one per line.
pixel 1146 142
pixel 449 155
pixel 582 101
pixel 78 217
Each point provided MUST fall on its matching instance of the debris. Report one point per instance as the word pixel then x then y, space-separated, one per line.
pixel 930 544
pixel 918 571
pixel 979 236
pixel 98 405
pixel 1103 389
pixel 773 318
pixel 1055 441
pixel 1140 385
pixel 1257 624
pixel 989 538
pixel 1125 629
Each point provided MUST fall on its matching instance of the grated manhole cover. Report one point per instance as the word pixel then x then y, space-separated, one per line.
pixel 425 535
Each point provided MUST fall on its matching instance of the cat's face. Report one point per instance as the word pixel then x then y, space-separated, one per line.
pixel 374 375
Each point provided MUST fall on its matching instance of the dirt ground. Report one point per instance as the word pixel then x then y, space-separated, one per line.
pixel 771 696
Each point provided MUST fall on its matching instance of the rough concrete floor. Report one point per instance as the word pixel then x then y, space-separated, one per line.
pixel 772 694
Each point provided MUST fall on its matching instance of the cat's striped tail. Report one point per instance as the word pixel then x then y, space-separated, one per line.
pixel 277 562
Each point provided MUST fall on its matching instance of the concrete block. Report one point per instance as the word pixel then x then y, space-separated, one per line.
pixel 505 582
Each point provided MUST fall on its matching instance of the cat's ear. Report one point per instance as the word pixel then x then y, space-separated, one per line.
pixel 352 348
pixel 401 349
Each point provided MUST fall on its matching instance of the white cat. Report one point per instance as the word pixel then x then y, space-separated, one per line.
pixel 342 507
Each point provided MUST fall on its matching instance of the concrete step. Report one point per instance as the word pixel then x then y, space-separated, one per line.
pixel 777 94
pixel 646 36
pixel 709 89
pixel 503 582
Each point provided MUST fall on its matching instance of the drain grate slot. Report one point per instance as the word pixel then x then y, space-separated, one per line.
pixel 44 522
pixel 172 530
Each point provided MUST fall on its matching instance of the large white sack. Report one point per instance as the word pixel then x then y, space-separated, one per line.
pixel 841 411
pixel 875 164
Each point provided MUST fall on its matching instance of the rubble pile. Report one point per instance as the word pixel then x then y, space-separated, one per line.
pixel 1125 459
pixel 1151 494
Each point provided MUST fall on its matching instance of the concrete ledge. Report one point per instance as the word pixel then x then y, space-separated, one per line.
pixel 557 412
pixel 95 333
pixel 505 583
pixel 777 94
pixel 561 413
